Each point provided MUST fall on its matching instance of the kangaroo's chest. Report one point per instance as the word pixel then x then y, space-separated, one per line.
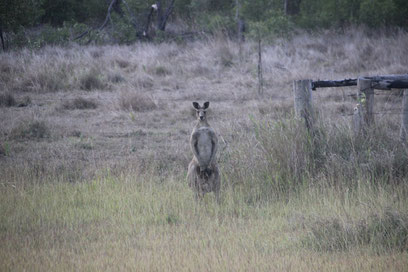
pixel 204 143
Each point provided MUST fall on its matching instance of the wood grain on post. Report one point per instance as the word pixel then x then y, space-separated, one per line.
pixel 302 92
pixel 404 117
pixel 358 119
pixel 365 87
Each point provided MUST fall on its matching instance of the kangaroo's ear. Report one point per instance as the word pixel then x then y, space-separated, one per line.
pixel 206 105
pixel 196 105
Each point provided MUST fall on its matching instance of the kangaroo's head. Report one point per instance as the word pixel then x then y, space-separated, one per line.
pixel 201 111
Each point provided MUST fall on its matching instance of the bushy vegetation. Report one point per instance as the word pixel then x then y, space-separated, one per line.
pixel 63 21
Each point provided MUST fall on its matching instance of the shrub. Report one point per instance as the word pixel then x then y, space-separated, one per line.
pixel 216 22
pixel 7 100
pixel 79 103
pixel 54 36
pixel 125 32
pixel 375 13
pixel 136 102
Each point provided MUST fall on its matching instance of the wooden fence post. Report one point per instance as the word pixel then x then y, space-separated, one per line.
pixel 358 119
pixel 366 100
pixel 404 117
pixel 302 92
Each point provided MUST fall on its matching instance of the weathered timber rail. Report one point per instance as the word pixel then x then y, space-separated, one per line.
pixel 378 82
pixel 364 111
pixel 334 83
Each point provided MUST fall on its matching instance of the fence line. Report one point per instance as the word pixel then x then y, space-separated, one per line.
pixel 363 115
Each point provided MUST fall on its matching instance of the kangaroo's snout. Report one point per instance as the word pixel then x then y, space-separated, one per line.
pixel 201 114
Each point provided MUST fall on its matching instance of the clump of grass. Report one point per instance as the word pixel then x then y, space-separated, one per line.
pixel 75 133
pixel 24 102
pixel 79 103
pixel 42 77
pixel 31 130
pixel 91 80
pixel 136 102
pixel 85 145
pixel 7 100
pixel 48 81
pixel 122 63
pixel 145 82
pixel 225 56
pixel 162 71
pixel 97 53
pixel 116 78
pixel 387 230
pixel 3 150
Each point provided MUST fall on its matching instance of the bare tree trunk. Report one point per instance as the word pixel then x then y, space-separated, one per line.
pixel 148 22
pixel 285 7
pixel 159 14
pixel 260 77
pixel 2 38
pixel 117 8
pixel 162 16
pixel 240 28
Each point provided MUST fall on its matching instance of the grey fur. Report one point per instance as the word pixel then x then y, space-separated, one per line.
pixel 203 173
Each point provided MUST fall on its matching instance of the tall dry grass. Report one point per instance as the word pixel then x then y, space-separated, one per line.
pixel 140 223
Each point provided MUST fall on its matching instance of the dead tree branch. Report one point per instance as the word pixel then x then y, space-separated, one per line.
pixel 108 17
pixel 149 20
pixel 163 20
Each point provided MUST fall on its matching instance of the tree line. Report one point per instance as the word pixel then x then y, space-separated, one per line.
pixel 133 18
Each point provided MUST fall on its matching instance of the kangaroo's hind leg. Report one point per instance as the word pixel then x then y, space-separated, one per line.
pixel 215 181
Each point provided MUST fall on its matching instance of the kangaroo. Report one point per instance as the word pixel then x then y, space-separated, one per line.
pixel 203 174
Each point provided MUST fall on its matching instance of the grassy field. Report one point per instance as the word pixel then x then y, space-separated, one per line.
pixel 94 148
pixel 130 224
